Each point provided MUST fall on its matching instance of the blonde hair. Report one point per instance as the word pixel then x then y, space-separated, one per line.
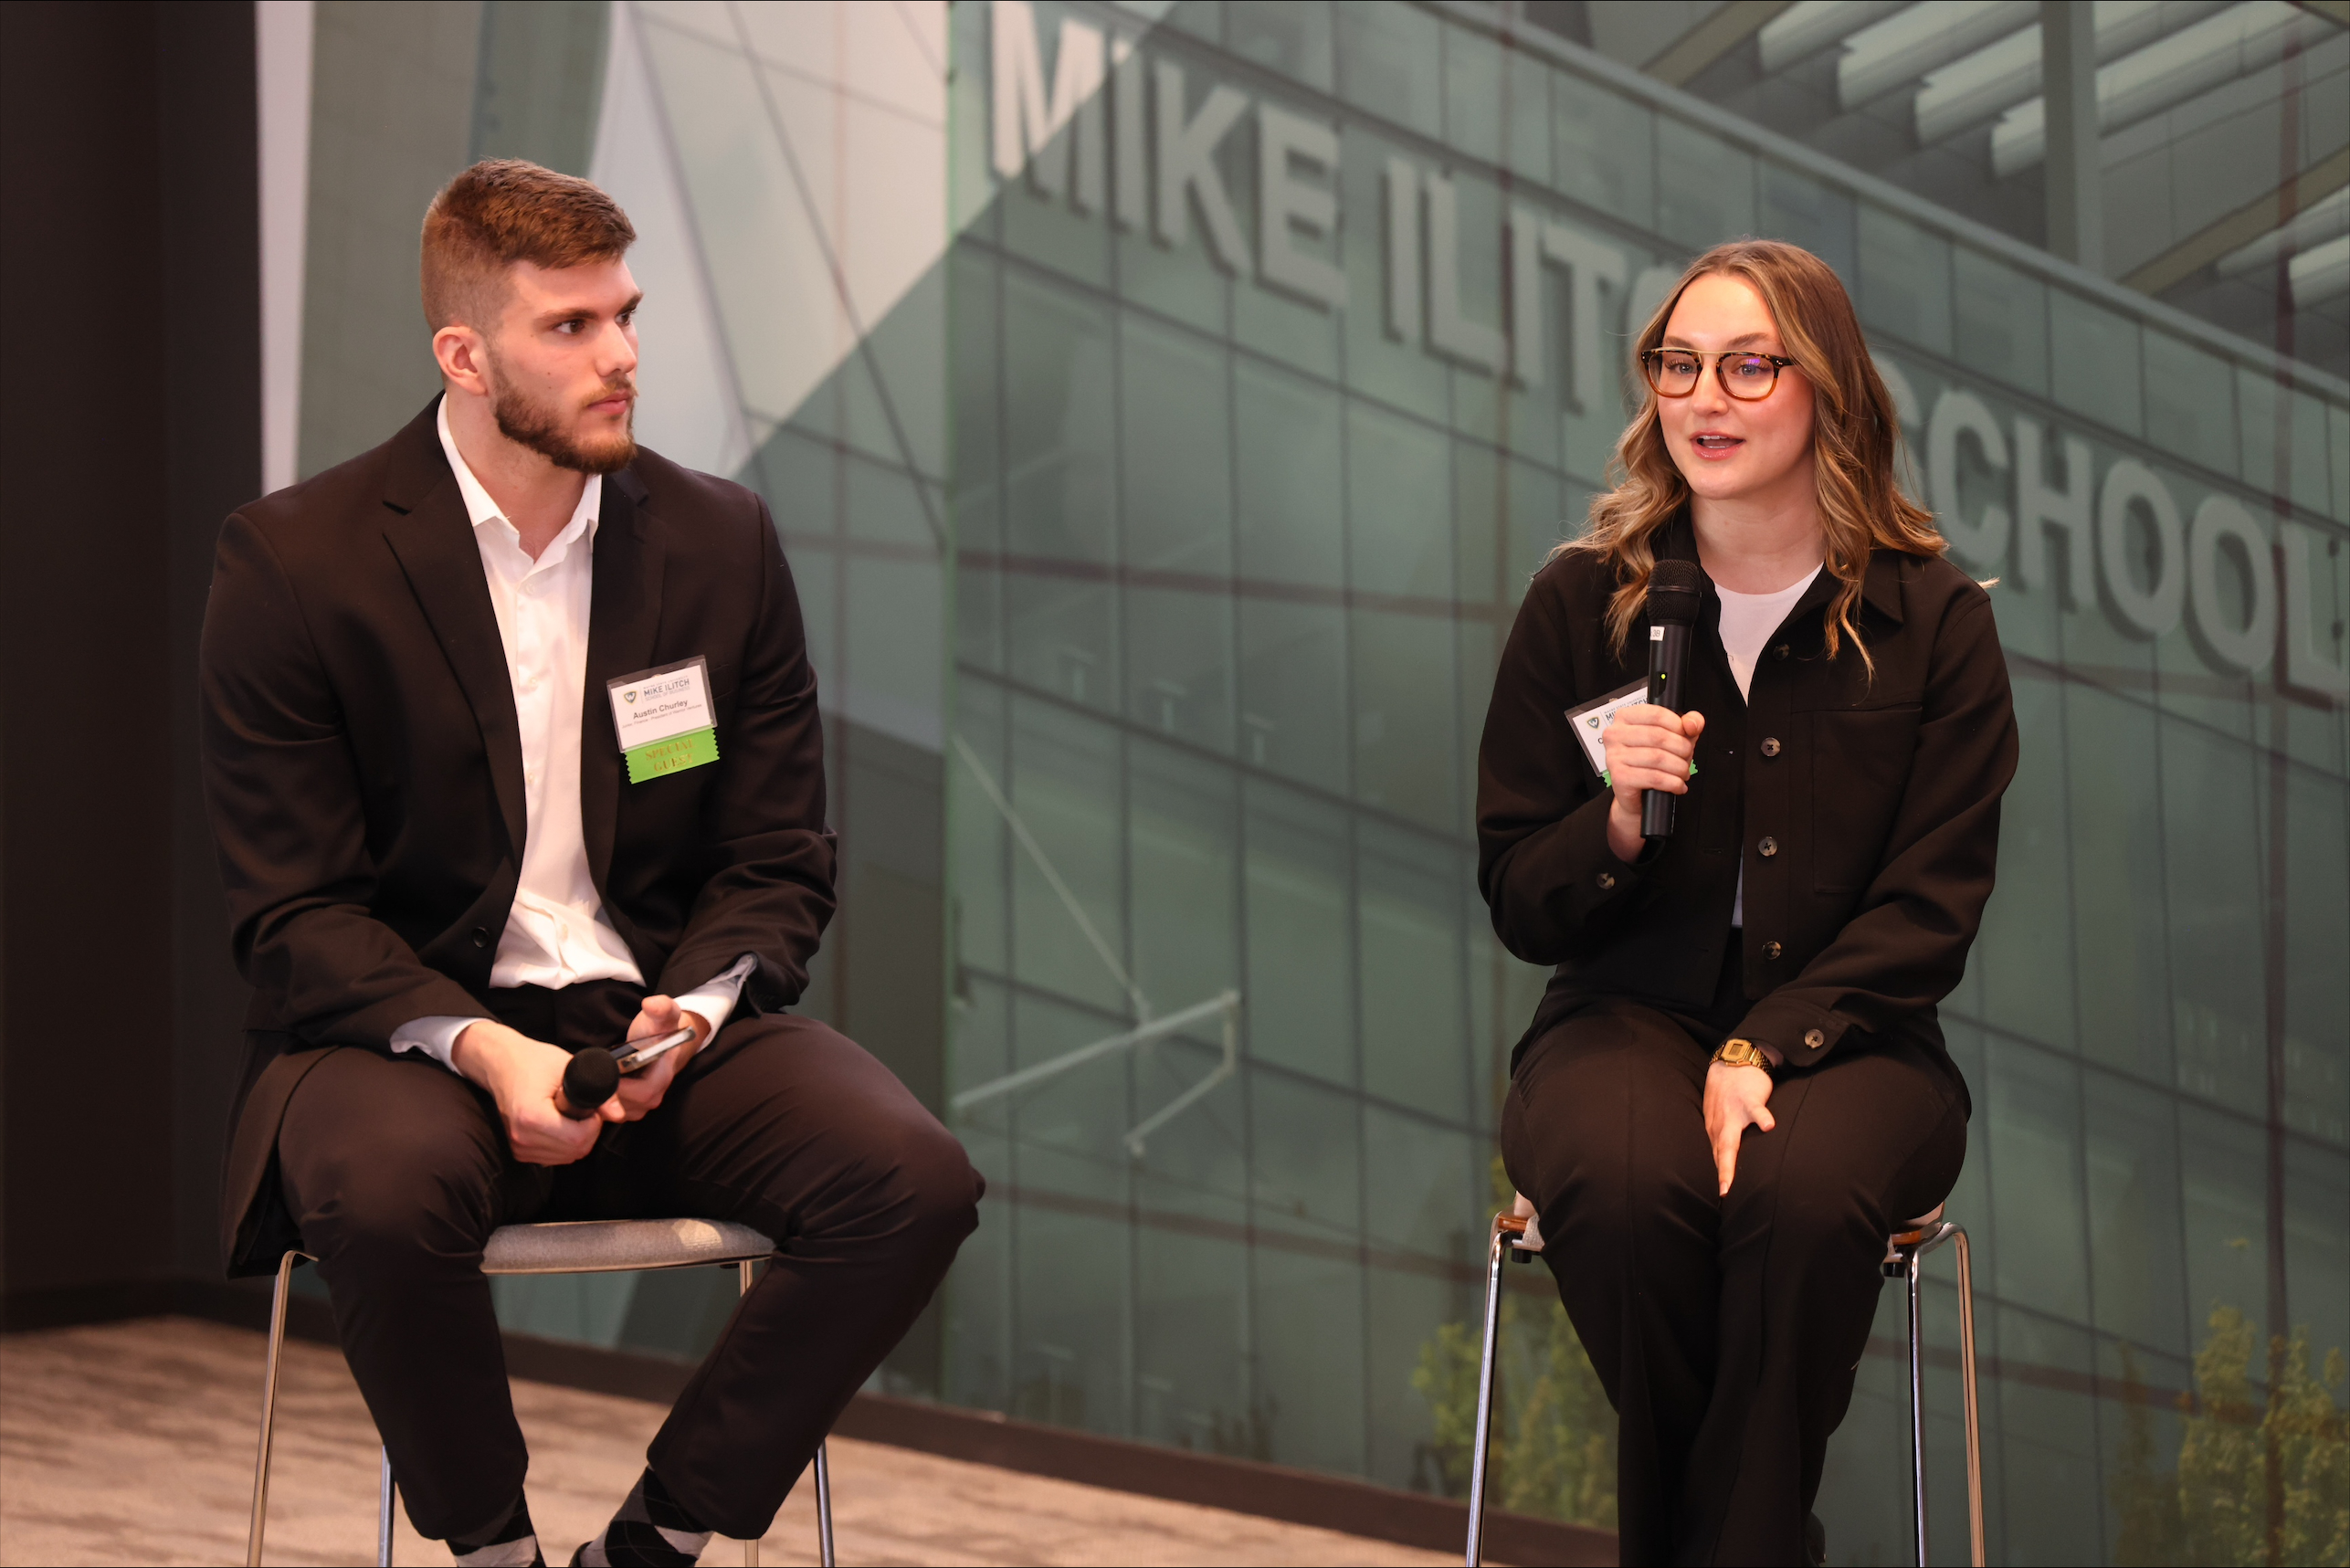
pixel 1856 441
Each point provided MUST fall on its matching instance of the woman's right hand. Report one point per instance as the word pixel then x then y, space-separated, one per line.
pixel 1648 748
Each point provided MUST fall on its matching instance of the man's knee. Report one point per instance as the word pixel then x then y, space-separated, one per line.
pixel 392 1214
pixel 393 1186
pixel 932 1188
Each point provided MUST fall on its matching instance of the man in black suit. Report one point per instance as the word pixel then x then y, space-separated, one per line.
pixel 420 673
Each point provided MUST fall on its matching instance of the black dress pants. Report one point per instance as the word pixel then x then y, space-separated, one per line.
pixel 397 1170
pixel 1726 1331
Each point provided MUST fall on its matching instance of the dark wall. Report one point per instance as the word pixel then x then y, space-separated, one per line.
pixel 129 426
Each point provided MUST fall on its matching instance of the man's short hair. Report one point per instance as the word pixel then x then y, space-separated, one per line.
pixel 501 211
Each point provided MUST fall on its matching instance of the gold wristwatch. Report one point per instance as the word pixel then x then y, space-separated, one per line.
pixel 1743 1054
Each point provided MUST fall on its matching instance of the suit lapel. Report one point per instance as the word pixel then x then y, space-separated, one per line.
pixel 432 537
pixel 624 620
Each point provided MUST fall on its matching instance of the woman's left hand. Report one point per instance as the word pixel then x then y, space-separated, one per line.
pixel 1736 1098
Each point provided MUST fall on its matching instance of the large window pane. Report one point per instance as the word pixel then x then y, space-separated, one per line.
pixel 2027 979
pixel 1059 529
pixel 2136 1270
pixel 1300 964
pixel 1183 823
pixel 2215 917
pixel 2120 932
pixel 1413 1016
pixel 2034 1101
pixel 1064 783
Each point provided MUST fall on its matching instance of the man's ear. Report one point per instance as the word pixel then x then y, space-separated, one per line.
pixel 463 355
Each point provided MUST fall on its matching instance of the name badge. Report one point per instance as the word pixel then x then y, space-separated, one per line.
pixel 664 719
pixel 1591 721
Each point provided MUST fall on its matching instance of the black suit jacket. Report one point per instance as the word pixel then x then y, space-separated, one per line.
pixel 364 768
pixel 1864 810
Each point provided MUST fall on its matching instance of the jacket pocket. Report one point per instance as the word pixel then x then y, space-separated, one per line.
pixel 1860 761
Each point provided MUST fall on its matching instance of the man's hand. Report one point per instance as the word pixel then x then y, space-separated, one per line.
pixel 642 1091
pixel 524 1075
pixel 1736 1098
pixel 1648 748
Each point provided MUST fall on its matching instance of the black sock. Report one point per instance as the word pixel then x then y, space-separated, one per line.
pixel 652 1530
pixel 512 1541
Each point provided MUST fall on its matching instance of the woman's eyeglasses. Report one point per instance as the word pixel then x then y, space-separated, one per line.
pixel 1749 378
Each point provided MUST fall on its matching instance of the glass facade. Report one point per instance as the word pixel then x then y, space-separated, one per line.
pixel 1164 408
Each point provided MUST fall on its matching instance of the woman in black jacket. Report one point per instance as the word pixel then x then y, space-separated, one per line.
pixel 1735 1086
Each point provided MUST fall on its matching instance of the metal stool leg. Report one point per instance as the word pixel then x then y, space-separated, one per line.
pixel 1973 1410
pixel 823 1506
pixel 383 1515
pixel 823 1477
pixel 269 1411
pixel 1485 1398
pixel 742 1273
pixel 1910 1248
pixel 1917 1401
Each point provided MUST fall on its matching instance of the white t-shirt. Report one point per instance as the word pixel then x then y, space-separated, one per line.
pixel 1748 622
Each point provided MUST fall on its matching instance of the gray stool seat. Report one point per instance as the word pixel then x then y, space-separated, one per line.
pixel 618 1246
pixel 565 1247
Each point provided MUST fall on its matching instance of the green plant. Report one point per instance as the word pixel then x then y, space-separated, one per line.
pixel 1560 1460
pixel 1554 1434
pixel 2259 1480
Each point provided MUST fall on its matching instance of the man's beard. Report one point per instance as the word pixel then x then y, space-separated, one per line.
pixel 535 426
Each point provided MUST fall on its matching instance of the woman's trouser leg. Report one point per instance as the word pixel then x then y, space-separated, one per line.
pixel 1871 1137
pixel 1604 1130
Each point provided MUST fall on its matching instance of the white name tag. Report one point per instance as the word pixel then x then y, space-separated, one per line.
pixel 1590 722
pixel 660 704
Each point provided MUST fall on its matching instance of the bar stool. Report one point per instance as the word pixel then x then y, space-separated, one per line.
pixel 583 1247
pixel 1517 1236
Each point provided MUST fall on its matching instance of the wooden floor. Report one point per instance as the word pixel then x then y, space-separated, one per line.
pixel 132 1443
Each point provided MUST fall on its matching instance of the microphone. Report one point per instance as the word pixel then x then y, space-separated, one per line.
pixel 1674 587
pixel 587 1082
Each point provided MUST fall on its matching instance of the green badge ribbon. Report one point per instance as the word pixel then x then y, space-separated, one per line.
pixel 676 754
pixel 1607 779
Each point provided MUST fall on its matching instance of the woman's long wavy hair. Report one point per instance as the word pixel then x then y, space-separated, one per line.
pixel 1855 443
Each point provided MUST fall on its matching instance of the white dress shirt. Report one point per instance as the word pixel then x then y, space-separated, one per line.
pixel 556 933
pixel 1748 622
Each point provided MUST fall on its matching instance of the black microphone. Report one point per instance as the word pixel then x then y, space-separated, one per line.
pixel 587 1082
pixel 1674 587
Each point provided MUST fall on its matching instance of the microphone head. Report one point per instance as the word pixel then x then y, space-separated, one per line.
pixel 1673 589
pixel 590 1078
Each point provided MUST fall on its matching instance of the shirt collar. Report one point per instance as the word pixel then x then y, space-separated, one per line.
pixel 479 509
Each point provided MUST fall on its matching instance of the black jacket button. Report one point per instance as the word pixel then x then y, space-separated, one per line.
pixel 480 936
pixel 1781 651
pixel 1772 950
pixel 1769 846
pixel 1814 1039
pixel 1770 745
pixel 1606 880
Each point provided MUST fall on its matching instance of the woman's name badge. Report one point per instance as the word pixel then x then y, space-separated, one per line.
pixel 664 719
pixel 1590 723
